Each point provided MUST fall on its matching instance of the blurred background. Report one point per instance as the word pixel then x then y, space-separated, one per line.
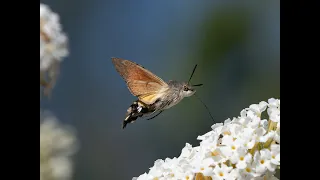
pixel 236 45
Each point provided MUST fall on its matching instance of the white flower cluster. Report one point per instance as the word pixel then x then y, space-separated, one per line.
pixel 57 144
pixel 53 47
pixel 244 148
pixel 53 42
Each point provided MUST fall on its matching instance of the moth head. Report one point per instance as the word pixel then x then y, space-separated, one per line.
pixel 187 90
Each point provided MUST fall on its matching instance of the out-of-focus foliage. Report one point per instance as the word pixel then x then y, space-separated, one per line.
pixel 223 30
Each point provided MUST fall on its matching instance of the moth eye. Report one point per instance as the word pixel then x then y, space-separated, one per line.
pixel 185 88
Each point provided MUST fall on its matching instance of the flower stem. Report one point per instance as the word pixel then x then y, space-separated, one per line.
pixel 256 145
pixel 272 126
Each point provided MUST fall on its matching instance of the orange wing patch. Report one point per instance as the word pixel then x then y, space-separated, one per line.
pixel 149 98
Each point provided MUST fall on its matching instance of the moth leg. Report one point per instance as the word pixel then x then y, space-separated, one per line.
pixel 155 115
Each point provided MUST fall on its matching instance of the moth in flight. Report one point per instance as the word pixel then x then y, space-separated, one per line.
pixel 154 95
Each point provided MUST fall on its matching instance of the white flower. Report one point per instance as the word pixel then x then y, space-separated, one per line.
pixel 254 122
pixel 182 168
pixel 57 144
pixel 143 176
pixel 275 154
pixel 221 172
pixel 248 138
pixel 187 151
pixel 230 145
pixel 247 173
pixel 262 161
pixel 156 170
pixel 274 103
pixel 216 155
pixel 234 174
pixel 258 108
pixel 206 136
pixel 53 42
pixel 203 165
pixel 241 158
pixel 53 47
pixel 274 109
pixel 226 151
pixel 62 167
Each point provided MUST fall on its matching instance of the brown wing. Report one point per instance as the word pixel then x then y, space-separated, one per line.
pixel 140 81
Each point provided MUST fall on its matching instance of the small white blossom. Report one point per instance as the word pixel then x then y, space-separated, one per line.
pixel 274 110
pixel 236 149
pixel 258 108
pixel 274 103
pixel 203 165
pixel 230 145
pixel 241 158
pixel 221 172
pixel 57 145
pixel 216 126
pixel 247 173
pixel 275 154
pixel 187 151
pixel 262 161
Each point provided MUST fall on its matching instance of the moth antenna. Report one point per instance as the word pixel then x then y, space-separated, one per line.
pixel 192 73
pixel 197 85
pixel 205 107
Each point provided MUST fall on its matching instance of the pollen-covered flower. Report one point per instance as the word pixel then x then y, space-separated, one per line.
pixel 244 148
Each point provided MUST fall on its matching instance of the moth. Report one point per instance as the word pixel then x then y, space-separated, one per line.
pixel 154 95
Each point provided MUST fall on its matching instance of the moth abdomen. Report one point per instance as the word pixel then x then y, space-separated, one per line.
pixel 136 109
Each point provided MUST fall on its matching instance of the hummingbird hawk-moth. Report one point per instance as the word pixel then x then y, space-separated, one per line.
pixel 154 94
